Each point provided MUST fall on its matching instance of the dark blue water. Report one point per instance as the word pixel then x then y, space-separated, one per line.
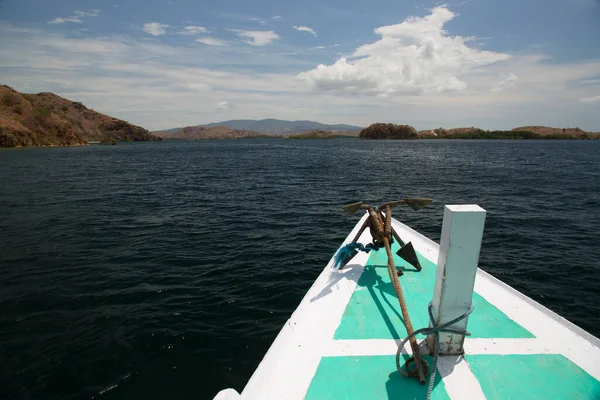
pixel 165 270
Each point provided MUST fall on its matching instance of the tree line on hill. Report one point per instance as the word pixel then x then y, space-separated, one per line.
pixel 407 132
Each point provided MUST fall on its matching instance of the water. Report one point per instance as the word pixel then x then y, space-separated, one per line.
pixel 165 270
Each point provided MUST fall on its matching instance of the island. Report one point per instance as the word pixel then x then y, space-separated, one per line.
pixel 407 132
pixel 388 131
pixel 45 119
pixel 519 133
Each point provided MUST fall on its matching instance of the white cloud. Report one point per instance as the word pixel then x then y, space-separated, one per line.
pixel 506 83
pixel 257 38
pixel 277 17
pixel 259 20
pixel 306 29
pixel 224 106
pixel 193 30
pixel 155 28
pixel 593 99
pixel 57 20
pixel 211 41
pixel 415 56
pixel 324 47
pixel 91 13
pixel 76 17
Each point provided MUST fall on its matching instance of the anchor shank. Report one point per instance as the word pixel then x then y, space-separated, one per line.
pixel 397 237
pixel 409 328
pixel 361 230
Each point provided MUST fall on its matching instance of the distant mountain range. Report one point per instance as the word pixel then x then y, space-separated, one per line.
pixel 276 126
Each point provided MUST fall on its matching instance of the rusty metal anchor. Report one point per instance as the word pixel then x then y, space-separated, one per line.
pixel 380 224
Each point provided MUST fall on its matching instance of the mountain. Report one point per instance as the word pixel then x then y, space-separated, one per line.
pixel 203 132
pixel 45 119
pixel 277 126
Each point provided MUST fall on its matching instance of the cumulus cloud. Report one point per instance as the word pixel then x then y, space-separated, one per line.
pixel 193 30
pixel 211 41
pixel 416 56
pixel 155 28
pixel 506 83
pixel 256 38
pixel 224 106
pixel 593 99
pixel 277 17
pixel 306 29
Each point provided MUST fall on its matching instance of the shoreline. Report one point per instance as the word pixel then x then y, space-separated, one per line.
pixel 323 138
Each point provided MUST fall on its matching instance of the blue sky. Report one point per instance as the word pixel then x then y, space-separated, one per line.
pixel 492 64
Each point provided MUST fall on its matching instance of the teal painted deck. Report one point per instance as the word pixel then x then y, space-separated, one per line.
pixel 373 377
pixel 373 313
pixel 532 376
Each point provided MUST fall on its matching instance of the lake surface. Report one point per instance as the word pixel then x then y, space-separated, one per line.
pixel 165 270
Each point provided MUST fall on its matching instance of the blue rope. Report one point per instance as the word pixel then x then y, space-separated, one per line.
pixel 347 250
pixel 435 329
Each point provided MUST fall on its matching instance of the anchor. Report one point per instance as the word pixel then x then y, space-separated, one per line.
pixel 407 250
pixel 379 222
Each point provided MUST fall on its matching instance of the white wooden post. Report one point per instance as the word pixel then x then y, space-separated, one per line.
pixel 462 231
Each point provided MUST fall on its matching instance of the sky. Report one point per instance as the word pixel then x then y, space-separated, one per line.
pixel 172 63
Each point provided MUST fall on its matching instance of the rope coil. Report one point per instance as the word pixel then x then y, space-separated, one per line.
pixel 435 329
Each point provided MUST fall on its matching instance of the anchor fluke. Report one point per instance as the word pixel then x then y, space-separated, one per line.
pixel 353 208
pixel 408 254
pixel 417 203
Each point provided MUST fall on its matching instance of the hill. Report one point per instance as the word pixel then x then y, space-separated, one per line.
pixel 388 131
pixel 202 132
pixel 447 132
pixel 277 126
pixel 523 132
pixel 320 134
pixel 45 119
pixel 546 130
